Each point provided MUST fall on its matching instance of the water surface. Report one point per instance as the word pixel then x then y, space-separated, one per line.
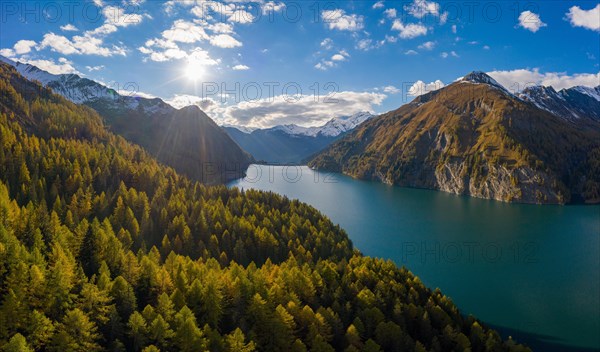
pixel 531 271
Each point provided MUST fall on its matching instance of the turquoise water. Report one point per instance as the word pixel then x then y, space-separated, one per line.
pixel 531 271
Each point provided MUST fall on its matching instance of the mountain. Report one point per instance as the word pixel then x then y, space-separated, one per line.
pixel 186 139
pixel 572 104
pixel 473 137
pixel 292 144
pixel 103 248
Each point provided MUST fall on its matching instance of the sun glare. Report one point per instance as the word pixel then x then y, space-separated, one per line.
pixel 194 70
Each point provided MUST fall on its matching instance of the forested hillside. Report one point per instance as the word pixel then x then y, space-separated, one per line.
pixel 102 248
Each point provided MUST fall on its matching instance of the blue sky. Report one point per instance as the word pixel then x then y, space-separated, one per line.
pixel 244 62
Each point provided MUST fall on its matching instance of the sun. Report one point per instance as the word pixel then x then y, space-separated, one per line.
pixel 194 70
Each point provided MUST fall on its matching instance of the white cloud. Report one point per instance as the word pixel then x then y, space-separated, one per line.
pixel 420 8
pixel 378 5
pixel 486 47
pixel 337 19
pixel 117 16
pixel 69 28
pixel 517 80
pixel 182 100
pixel 410 30
pixel 420 87
pixel 324 65
pixel 224 41
pixel 365 44
pixel 304 110
pixel 6 52
pixel 23 46
pixel 221 27
pixel 338 57
pixel 240 68
pixel 427 45
pixel 589 19
pixel 62 67
pixel 94 68
pixel 185 32
pixel 241 16
pixel 390 13
pixel 410 52
pixel 327 43
pixel 454 29
pixel 444 54
pixel 59 44
pixel 391 90
pixel 531 21
pixel 271 7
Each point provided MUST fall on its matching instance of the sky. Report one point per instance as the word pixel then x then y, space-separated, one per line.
pixel 264 63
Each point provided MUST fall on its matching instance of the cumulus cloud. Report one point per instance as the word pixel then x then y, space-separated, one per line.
pixel 271 7
pixel 420 8
pixel 391 90
pixel 304 110
pixel 427 45
pixel 220 27
pixel 182 100
pixel 420 87
pixel 240 68
pixel 390 13
pixel 517 80
pixel 327 43
pixel 338 57
pixel 117 16
pixel 378 5
pixel 185 32
pixel 409 31
pixel 410 52
pixel 63 66
pixel 81 45
pixel 445 55
pixel 589 19
pixel 338 19
pixel 94 68
pixel 69 28
pixel 7 52
pixel 225 41
pixel 23 46
pixel 530 21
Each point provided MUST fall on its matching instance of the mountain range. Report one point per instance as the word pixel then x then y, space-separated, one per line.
pixel 474 137
pixel 185 139
pixel 293 144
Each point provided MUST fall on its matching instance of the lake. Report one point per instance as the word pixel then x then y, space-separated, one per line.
pixel 529 271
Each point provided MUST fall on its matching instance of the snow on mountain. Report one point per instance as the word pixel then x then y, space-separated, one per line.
pixel 479 77
pixel 593 92
pixel 332 128
pixel 243 129
pixel 570 104
pixel 81 90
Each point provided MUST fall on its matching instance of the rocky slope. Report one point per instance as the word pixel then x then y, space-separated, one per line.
pixel 475 138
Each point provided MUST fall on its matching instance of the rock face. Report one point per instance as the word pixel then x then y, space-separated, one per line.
pixel 473 137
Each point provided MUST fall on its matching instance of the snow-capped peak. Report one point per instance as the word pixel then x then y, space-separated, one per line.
pixel 243 129
pixel 479 77
pixel 593 92
pixel 81 90
pixel 333 128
